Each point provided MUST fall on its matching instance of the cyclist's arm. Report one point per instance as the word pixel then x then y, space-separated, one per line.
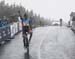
pixel 21 19
pixel 30 24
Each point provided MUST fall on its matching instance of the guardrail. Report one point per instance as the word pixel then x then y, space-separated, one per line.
pixel 9 31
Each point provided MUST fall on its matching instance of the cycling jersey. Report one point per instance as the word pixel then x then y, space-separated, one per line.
pixel 25 22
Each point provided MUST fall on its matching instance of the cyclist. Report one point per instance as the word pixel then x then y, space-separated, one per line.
pixel 26 28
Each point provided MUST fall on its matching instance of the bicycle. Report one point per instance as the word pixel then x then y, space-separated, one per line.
pixel 26 42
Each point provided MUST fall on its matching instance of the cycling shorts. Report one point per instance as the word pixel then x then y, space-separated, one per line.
pixel 25 29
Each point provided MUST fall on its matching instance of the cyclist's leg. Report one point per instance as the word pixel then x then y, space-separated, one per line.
pixel 24 34
pixel 30 36
pixel 26 42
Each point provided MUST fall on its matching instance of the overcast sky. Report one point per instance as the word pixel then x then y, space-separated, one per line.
pixel 54 9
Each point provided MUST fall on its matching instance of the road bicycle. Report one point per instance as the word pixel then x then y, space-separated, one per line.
pixel 26 42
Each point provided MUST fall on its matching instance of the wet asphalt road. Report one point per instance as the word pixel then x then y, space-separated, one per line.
pixel 13 49
pixel 47 43
pixel 53 43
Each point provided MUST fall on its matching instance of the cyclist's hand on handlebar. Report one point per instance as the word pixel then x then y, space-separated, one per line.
pixel 30 30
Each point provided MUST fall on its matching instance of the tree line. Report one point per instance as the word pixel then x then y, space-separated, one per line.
pixel 11 12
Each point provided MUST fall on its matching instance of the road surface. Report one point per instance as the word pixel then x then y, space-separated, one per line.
pixel 51 42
